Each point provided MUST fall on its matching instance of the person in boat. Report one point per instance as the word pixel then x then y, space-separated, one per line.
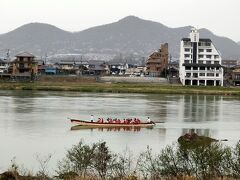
pixel 99 120
pixel 91 118
pixel 148 120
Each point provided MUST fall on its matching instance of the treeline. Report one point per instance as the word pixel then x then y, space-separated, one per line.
pixel 204 161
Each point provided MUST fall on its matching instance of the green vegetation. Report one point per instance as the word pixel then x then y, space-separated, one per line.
pixel 95 161
pixel 119 88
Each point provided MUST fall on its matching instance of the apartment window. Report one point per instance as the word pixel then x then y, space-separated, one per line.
pixel 217 75
pixel 201 50
pixel 186 43
pixel 216 62
pixel 195 68
pixel 187 50
pixel 200 62
pixel 201 74
pixel 208 62
pixel 186 61
pixel 188 68
pixel 200 56
pixel 210 74
pixel 188 74
pixel 209 56
pixel 207 44
pixel 217 68
pixel 186 55
pixel 195 74
pixel 202 68
pixel 216 56
pixel 209 50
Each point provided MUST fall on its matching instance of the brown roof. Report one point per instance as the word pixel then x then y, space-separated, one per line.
pixel 24 54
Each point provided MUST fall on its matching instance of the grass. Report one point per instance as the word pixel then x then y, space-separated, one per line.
pixel 150 88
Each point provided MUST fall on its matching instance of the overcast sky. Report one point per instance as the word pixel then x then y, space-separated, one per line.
pixel 219 16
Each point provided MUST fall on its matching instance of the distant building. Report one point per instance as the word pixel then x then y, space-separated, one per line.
pixel 98 68
pixel 71 66
pixel 158 61
pixel 117 68
pixel 236 76
pixel 229 63
pixel 3 66
pixel 24 65
pixel 200 62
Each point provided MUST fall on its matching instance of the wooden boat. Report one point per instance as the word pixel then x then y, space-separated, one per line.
pixel 106 124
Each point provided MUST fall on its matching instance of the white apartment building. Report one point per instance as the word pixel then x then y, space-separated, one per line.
pixel 200 62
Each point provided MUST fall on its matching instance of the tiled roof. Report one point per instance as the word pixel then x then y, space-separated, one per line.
pixel 24 54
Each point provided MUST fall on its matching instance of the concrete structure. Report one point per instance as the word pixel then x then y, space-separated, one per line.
pixel 158 61
pixel 199 62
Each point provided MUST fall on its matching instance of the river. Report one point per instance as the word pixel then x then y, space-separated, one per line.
pixel 35 123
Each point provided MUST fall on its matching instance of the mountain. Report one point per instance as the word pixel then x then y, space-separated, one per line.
pixel 238 42
pixel 130 35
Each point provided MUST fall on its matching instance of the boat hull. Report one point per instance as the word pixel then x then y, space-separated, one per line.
pixel 102 125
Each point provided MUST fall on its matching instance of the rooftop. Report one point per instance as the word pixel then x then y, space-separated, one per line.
pixel 25 54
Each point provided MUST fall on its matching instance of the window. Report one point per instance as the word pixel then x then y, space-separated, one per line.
pixel 195 74
pixel 186 61
pixel 188 74
pixel 202 68
pixel 209 56
pixel 186 43
pixel 209 50
pixel 186 55
pixel 216 56
pixel 201 50
pixel 201 74
pixel 207 44
pixel 188 68
pixel 195 68
pixel 217 75
pixel 200 56
pixel 208 62
pixel 187 50
pixel 200 62
pixel 210 74
pixel 216 62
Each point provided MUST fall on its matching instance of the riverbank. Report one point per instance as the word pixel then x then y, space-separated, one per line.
pixel 201 159
pixel 91 86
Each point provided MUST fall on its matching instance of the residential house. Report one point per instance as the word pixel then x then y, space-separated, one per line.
pixel 157 62
pixel 72 67
pixel 98 68
pixel 236 76
pixel 199 62
pixel 136 70
pixel 24 65
pixel 117 68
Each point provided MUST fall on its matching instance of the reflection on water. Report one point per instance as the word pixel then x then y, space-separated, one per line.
pixel 103 129
pixel 36 122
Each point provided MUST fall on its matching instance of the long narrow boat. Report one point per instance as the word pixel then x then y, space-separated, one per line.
pixel 106 124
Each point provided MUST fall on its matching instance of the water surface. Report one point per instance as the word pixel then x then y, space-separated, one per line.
pixel 34 123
